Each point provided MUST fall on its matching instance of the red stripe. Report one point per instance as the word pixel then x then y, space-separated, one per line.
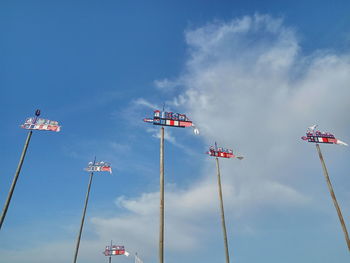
pixel 185 124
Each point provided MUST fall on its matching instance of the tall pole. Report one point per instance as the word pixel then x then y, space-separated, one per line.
pixel 110 256
pixel 330 187
pixel 18 170
pixel 222 212
pixel 82 219
pixel 161 217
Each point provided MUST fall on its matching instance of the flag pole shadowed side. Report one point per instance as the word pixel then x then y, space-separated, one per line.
pixel 222 212
pixel 82 219
pixel 110 256
pixel 14 182
pixel 161 216
pixel 335 202
pixel 169 119
pixel 29 124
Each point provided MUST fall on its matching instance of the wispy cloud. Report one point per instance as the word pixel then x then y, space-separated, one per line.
pixel 247 85
pixel 145 103
pixel 166 84
pixel 167 135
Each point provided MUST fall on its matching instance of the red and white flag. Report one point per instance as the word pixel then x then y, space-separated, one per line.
pixel 99 167
pixel 33 123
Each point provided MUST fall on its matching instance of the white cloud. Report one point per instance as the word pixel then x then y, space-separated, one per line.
pixel 166 84
pixel 146 103
pixel 247 86
pixel 167 135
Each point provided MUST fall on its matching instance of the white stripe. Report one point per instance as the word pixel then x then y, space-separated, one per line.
pixel 341 143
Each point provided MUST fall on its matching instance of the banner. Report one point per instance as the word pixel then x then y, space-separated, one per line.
pixel 33 123
pixel 99 167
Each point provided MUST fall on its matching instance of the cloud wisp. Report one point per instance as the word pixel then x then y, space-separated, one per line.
pixel 247 85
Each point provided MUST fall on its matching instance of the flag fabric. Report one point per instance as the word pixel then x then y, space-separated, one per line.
pixel 341 143
pixel 220 152
pixel 41 124
pixel 107 250
pixel 106 169
pixel 99 167
pixel 317 136
pixel 115 250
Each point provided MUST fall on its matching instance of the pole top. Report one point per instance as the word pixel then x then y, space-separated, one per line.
pixel 37 113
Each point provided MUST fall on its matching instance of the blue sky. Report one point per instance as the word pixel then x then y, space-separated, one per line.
pixel 251 74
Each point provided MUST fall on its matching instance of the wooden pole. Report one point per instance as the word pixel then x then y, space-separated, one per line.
pixel 161 217
pixel 18 170
pixel 222 212
pixel 82 219
pixel 110 256
pixel 330 187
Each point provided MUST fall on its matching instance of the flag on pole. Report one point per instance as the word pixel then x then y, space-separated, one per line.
pixel 33 123
pixel 107 250
pixel 316 136
pixel 115 250
pixel 172 119
pixel 99 167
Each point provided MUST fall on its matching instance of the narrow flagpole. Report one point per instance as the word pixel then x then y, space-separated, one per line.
pixel 110 256
pixel 222 212
pixel 161 217
pixel 18 170
pixel 330 187
pixel 82 219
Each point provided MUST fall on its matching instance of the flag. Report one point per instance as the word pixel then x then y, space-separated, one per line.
pixel 107 251
pixel 341 143
pixel 41 124
pixel 99 167
pixel 106 169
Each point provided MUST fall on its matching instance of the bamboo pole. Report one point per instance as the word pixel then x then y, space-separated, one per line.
pixel 222 212
pixel 82 219
pixel 161 216
pixel 110 256
pixel 330 187
pixel 15 178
